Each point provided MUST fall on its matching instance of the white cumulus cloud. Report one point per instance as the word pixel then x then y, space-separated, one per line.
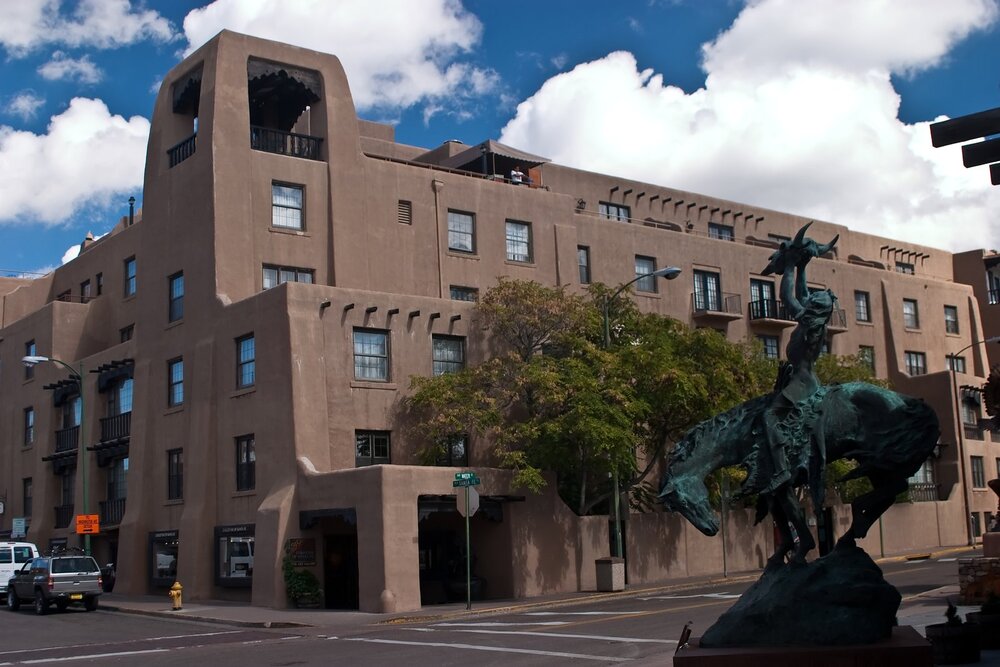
pixel 61 67
pixel 86 156
pixel 796 114
pixel 24 105
pixel 396 53
pixel 105 24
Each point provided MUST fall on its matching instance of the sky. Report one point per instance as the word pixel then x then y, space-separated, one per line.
pixel 815 107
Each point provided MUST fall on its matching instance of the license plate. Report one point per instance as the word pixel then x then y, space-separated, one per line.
pixel 76 596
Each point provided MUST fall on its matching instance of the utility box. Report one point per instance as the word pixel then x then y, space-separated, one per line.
pixel 610 574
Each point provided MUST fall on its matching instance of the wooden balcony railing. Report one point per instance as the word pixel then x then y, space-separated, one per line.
pixel 67 439
pixel 112 511
pixel 183 150
pixel 116 427
pixel 285 143
pixel 64 515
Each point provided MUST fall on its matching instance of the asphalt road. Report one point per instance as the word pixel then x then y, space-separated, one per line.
pixel 638 629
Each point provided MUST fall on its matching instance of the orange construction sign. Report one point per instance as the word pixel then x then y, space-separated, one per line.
pixel 87 524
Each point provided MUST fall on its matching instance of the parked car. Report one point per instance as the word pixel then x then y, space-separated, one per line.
pixel 61 579
pixel 12 556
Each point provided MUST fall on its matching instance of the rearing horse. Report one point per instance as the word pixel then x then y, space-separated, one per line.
pixel 889 435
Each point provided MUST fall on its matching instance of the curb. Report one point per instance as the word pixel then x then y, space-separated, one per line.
pixel 204 619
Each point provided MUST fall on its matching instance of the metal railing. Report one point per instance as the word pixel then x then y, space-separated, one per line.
pixel 769 309
pixel 923 492
pixel 117 427
pixel 183 150
pixel 112 511
pixel 717 303
pixel 838 319
pixel 67 439
pixel 993 296
pixel 64 515
pixel 285 143
pixel 973 432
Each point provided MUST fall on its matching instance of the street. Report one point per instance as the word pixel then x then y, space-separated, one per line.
pixel 641 628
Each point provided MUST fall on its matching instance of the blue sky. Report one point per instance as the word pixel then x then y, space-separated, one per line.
pixel 816 107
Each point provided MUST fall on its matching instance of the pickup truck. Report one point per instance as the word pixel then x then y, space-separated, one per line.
pixel 60 580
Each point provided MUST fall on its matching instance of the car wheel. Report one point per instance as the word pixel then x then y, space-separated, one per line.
pixel 41 604
pixel 13 602
pixel 61 605
pixel 90 604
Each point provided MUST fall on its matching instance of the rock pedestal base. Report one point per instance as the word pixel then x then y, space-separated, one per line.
pixel 905 648
pixel 977 578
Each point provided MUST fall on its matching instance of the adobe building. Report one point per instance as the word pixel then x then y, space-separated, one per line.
pixel 274 219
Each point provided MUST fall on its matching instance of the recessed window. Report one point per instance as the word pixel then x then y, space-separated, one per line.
pixel 30 351
pixel 286 206
pixel 448 355
pixel 778 238
pixel 246 361
pixel 951 319
pixel 460 293
pixel 371 448
pixel 175 474
pixel 862 306
pixel 456 452
pixel 371 355
pixel 85 291
pixel 246 463
pixel 904 267
pixel 129 276
pixel 866 355
pixel 978 472
pixel 175 382
pixel 770 344
pixel 956 364
pixel 707 291
pixel 614 211
pixel 29 427
pixel 518 241
pixel 404 212
pixel 126 333
pixel 275 275
pixel 461 231
pixel 721 232
pixel 911 315
pixel 643 267
pixel 100 284
pixel 916 363
pixel 762 301
pixel 583 261
pixel 176 305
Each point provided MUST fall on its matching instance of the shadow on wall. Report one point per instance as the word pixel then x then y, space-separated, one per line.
pixel 544 537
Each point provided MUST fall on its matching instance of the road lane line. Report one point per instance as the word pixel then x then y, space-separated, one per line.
pixel 126 641
pixel 91 656
pixel 581 613
pixel 715 596
pixel 497 624
pixel 569 635
pixel 632 614
pixel 495 649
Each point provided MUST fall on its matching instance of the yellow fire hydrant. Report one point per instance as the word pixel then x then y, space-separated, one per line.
pixel 175 594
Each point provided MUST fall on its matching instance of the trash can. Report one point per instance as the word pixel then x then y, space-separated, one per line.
pixel 610 574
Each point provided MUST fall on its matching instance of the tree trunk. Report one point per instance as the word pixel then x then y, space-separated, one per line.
pixel 583 484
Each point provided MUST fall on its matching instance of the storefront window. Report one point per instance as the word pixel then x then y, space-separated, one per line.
pixel 163 547
pixel 234 549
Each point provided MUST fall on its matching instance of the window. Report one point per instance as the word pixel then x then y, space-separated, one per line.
pixel 176 299
pixel 286 206
pixel 924 474
pixel 998 466
pixel 770 346
pixel 916 363
pixel 85 294
pixel 246 463
pixel 904 267
pixel 951 319
pixel 911 316
pixel 862 306
pixel 65 297
pixel 518 241
pixel 371 448
pixel 643 267
pixel 977 527
pixel 956 364
pixel 126 333
pixel 26 497
pixel 71 412
pixel 762 301
pixel 175 474
pixel 100 284
pixel 448 355
pixel 246 361
pixel 29 427
pixel 234 554
pixel 175 382
pixel 459 293
pixel 129 276
pixel 614 211
pixel 583 261
pixel 978 472
pixel 30 351
pixel 722 232
pixel 120 397
pixel 461 231
pixel 67 488
pixel 970 417
pixel 371 355
pixel 118 480
pixel 866 355
pixel 706 291
pixel 404 212
pixel 778 238
pixel 275 275
pixel 456 452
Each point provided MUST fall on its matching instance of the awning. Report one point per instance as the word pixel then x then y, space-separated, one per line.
pixel 473 156
pixel 309 518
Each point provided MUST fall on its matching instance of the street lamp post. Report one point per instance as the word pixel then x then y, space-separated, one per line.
pixel 76 374
pixel 669 273
pixel 960 436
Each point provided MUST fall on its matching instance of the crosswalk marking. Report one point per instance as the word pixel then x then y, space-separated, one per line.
pixel 497 624
pixel 570 635
pixel 581 613
pixel 495 649
pixel 714 596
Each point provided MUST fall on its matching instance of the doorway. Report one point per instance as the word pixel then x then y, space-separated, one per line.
pixel 340 571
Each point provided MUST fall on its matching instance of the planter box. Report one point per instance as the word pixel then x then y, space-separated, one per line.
pixel 954 644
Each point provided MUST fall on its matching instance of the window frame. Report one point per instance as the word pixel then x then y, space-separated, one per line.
pixel 175 297
pixel 175 385
pixel 284 206
pixel 441 366
pixel 463 291
pixel 455 233
pixel 175 474
pixel 978 472
pixel 721 231
pixel 610 211
pixel 951 319
pixel 911 320
pixel 129 283
pixel 765 340
pixel 448 458
pixel 371 459
pixel 29 427
pixel 704 283
pixel 956 363
pixel 246 462
pixel 386 364
pixel 866 355
pixel 519 242
pixel 126 333
pixel 862 306
pixel 246 366
pixel 30 350
pixel 647 283
pixel 915 360
pixel 280 275
pixel 583 252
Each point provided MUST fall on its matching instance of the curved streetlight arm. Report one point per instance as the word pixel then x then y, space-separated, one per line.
pixel 31 360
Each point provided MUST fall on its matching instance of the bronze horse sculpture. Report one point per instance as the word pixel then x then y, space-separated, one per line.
pixel 784 439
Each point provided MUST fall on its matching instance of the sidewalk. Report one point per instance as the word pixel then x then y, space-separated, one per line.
pixel 918 611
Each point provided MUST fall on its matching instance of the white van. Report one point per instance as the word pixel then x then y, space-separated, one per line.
pixel 240 557
pixel 12 556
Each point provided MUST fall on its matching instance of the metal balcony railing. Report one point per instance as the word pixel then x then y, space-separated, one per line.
pixel 112 511
pixel 67 439
pixel 183 150
pixel 923 492
pixel 64 515
pixel 838 319
pixel 116 427
pixel 769 309
pixel 717 303
pixel 973 432
pixel 285 143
